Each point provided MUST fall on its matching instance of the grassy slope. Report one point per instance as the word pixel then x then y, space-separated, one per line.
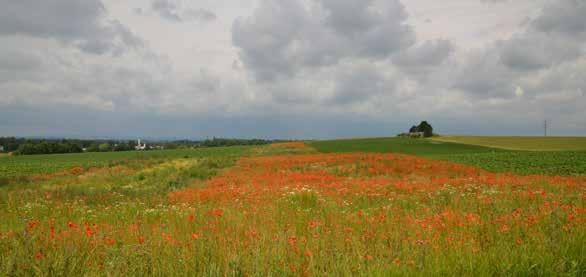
pixel 19 166
pixel 521 143
pixel 492 159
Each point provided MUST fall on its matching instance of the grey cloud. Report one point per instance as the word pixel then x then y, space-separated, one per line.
pixel 264 38
pixel 80 23
pixel 495 1
pixel 532 51
pixel 483 75
pixel 169 10
pixel 16 65
pixel 64 19
pixel 205 83
pixel 567 80
pixel 318 35
pixel 564 17
pixel 556 36
pixel 166 9
pixel 200 15
pixel 359 83
pixel 17 60
pixel 428 53
pixel 543 47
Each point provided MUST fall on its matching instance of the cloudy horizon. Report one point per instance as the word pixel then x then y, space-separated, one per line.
pixel 303 69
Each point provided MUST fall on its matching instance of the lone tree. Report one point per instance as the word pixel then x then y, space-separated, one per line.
pixel 425 128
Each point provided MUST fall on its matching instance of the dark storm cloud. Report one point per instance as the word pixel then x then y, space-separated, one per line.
pixel 81 23
pixel 282 38
pixel 167 9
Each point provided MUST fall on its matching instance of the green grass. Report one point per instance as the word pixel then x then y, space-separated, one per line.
pixel 521 143
pixel 24 166
pixel 420 147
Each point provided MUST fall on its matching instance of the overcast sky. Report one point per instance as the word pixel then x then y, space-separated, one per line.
pixel 291 68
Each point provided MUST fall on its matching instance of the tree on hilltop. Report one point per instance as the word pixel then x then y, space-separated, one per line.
pixel 425 128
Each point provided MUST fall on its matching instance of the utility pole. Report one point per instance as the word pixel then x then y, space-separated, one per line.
pixel 545 128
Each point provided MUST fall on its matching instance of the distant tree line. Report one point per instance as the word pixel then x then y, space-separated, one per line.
pixel 221 142
pixel 27 146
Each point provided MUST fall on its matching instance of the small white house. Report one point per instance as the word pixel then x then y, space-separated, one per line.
pixel 1 148
pixel 140 146
pixel 417 134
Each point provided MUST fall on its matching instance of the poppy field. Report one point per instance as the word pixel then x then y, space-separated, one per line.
pixel 291 210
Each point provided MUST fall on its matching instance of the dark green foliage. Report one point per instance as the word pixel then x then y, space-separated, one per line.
pixel 425 128
pixel 46 147
pixel 104 147
pixel 218 142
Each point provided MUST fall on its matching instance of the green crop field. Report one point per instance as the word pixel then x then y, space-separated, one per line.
pixel 567 163
pixel 521 143
pixel 420 147
pixel 23 166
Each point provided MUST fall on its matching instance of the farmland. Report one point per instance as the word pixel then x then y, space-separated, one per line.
pixel 420 147
pixel 23 166
pixel 521 143
pixel 375 207
pixel 566 163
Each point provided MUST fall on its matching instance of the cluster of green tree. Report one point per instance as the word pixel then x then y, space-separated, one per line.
pixel 111 146
pixel 10 144
pixel 24 146
pixel 47 147
pixel 423 128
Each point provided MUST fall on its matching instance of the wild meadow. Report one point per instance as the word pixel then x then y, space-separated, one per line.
pixel 291 210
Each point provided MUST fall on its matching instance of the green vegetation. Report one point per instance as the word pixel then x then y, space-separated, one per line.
pixel 420 147
pixel 522 143
pixel 24 166
pixel 163 216
pixel 566 163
